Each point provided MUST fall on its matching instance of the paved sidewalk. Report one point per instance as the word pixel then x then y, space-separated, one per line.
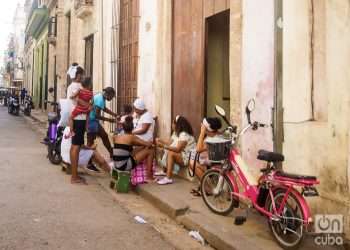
pixel 219 231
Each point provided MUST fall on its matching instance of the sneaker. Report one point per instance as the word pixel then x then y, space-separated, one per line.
pixel 93 168
pixel 165 181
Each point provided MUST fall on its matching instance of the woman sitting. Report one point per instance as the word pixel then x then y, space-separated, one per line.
pixel 179 148
pixel 123 156
pixel 199 160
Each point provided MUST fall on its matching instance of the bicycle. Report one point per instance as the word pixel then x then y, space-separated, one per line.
pixel 274 195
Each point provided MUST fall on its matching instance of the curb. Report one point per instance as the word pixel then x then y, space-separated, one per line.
pixel 181 213
pixel 172 209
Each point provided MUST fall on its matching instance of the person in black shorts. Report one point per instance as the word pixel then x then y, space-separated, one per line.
pixel 79 127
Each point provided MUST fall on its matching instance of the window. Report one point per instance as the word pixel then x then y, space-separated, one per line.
pixel 128 52
pixel 89 55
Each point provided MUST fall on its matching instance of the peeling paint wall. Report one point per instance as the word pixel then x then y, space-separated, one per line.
pixel 316 98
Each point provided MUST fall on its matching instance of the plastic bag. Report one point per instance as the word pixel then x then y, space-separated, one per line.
pixel 66 106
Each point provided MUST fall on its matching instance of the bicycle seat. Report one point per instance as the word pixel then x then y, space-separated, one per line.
pixel 268 156
pixel 296 176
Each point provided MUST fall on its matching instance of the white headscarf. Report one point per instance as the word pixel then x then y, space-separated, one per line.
pixel 207 125
pixel 139 104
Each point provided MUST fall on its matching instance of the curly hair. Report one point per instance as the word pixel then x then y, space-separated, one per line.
pixel 128 125
pixel 183 125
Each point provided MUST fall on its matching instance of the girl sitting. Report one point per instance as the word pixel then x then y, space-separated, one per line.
pixel 179 148
pixel 123 156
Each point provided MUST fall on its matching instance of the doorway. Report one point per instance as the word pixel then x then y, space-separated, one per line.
pixel 217 75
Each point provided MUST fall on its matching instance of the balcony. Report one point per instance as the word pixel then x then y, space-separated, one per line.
pixel 83 8
pixel 37 21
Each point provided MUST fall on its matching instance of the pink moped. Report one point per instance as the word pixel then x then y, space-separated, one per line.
pixel 275 194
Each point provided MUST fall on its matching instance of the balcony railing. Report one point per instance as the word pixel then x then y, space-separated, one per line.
pixel 83 8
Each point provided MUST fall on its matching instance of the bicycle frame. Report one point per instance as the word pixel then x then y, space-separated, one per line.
pixel 251 191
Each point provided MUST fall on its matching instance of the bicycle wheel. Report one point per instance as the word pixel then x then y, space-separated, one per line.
pixel 217 192
pixel 288 230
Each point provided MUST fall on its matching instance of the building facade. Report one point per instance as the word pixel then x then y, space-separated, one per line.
pixel 185 56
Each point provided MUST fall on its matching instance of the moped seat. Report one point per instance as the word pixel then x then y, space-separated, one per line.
pixel 268 156
pixel 52 117
pixel 296 176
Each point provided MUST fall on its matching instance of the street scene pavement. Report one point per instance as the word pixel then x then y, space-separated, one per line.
pixel 40 209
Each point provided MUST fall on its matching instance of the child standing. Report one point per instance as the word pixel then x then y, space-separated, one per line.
pixel 84 94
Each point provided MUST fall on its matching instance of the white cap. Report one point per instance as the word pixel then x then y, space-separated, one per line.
pixel 72 71
pixel 139 104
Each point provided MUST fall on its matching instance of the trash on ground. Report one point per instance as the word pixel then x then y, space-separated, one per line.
pixel 37 220
pixel 196 235
pixel 140 220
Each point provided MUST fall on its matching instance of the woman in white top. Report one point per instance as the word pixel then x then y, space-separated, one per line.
pixel 179 148
pixel 143 123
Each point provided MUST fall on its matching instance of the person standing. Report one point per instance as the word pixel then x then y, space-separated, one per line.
pixel 79 127
pixel 95 129
pixel 23 95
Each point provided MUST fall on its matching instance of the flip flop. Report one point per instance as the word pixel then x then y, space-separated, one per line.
pixel 196 192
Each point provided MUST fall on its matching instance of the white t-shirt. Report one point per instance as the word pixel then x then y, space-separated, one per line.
pixel 84 154
pixel 72 90
pixel 146 118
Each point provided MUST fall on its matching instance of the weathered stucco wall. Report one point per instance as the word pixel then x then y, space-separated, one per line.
pixel 316 98
pixel 257 75
pixel 154 76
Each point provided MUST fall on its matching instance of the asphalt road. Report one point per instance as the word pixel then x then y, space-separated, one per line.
pixel 40 209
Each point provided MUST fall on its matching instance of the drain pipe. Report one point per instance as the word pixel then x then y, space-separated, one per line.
pixel 277 118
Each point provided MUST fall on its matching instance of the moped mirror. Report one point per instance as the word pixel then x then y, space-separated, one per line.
pixel 220 110
pixel 251 105
pixel 250 108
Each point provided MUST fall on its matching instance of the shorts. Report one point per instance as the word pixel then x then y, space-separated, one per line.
pixel 93 127
pixel 79 127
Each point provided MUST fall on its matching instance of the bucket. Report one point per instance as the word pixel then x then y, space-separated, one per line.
pixel 122 181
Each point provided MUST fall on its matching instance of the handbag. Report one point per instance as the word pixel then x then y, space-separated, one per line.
pixel 139 173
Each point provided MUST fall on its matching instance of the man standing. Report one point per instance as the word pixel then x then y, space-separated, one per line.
pixel 95 128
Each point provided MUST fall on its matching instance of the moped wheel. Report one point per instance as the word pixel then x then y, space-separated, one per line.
pixel 54 155
pixel 217 192
pixel 288 229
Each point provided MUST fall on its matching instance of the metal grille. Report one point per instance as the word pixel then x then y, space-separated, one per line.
pixel 128 52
